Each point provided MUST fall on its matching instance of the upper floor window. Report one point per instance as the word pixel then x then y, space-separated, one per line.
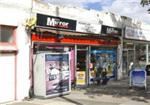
pixel 7 34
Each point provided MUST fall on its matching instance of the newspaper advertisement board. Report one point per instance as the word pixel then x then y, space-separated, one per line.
pixel 57 73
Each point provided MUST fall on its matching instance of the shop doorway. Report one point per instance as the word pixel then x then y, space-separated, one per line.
pixel 82 66
pixel 128 60
pixel 7 77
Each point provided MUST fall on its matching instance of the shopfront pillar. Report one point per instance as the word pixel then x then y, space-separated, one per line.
pixel 147 54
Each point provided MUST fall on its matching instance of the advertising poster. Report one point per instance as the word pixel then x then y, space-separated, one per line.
pixel 80 78
pixel 105 59
pixel 138 77
pixel 57 73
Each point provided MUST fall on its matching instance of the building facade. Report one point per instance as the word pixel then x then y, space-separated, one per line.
pixel 39 33
pixel 14 50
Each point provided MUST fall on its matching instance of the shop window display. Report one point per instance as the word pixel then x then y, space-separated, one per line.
pixel 6 34
pixel 103 64
pixel 140 57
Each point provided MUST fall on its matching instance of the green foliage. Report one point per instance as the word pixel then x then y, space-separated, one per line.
pixel 145 2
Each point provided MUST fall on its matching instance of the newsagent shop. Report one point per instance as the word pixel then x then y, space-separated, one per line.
pixel 65 53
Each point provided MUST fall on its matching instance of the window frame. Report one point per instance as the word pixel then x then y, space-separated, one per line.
pixel 13 35
pixel 9 46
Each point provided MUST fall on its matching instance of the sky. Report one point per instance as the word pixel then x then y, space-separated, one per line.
pixel 129 8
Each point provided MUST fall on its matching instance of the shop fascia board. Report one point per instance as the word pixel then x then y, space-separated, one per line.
pixel 75 35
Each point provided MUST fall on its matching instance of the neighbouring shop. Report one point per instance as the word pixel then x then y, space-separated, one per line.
pixel 57 36
pixel 136 48
pixel 104 58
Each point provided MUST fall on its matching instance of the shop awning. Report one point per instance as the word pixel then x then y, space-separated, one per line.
pixel 72 37
pixel 56 31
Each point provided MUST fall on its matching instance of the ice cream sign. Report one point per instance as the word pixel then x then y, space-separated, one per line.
pixel 55 22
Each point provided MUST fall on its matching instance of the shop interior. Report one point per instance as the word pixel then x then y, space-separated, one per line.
pixel 135 55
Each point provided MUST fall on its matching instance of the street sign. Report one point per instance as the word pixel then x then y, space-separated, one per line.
pixel 138 78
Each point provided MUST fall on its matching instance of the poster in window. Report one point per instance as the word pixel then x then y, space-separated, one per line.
pixel 80 78
pixel 57 73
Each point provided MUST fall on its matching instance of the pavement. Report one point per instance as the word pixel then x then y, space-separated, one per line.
pixel 114 93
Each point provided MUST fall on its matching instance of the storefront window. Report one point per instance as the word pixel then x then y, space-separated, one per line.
pixel 6 34
pixel 140 55
pixel 128 56
pixel 104 59
pixel 128 45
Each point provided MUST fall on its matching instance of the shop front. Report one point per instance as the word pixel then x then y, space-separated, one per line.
pixel 58 38
pixel 104 58
pixel 56 59
pixel 136 48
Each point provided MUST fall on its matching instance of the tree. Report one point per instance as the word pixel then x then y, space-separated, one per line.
pixel 145 2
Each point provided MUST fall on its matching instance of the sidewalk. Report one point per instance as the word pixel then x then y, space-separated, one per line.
pixel 114 93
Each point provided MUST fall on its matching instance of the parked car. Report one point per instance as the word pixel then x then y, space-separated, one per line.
pixel 147 68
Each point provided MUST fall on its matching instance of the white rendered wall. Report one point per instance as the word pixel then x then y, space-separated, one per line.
pixel 89 16
pixel 7 77
pixel 23 81
pixel 14 13
pixel 66 12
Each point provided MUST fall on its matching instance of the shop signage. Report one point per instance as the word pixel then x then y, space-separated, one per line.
pixel 107 30
pixel 137 34
pixel 55 22
pixel 88 27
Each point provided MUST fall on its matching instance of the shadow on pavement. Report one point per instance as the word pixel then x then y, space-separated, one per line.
pixel 87 102
pixel 71 100
pixel 119 89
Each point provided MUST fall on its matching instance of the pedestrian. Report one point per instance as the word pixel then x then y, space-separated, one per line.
pixel 104 73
